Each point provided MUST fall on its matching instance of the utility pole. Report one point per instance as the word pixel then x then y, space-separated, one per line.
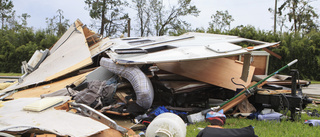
pixel 129 26
pixel 102 17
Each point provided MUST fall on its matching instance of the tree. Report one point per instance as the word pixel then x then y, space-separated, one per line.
pixel 179 28
pixel 24 17
pixel 165 17
pixel 200 30
pixel 277 20
pixel 62 24
pixel 281 22
pixel 51 29
pixel 301 13
pixel 5 11
pixel 220 21
pixel 57 24
pixel 110 14
pixel 12 23
pixel 144 16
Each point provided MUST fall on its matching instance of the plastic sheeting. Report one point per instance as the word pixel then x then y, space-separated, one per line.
pixel 140 82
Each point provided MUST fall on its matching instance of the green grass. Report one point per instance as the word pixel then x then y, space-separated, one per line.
pixel 268 128
pixel 315 82
pixel 10 74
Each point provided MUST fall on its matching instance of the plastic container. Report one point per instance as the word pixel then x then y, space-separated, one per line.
pixel 313 122
pixel 167 125
pixel 196 117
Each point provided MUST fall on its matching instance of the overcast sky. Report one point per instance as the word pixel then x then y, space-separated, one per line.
pixel 244 12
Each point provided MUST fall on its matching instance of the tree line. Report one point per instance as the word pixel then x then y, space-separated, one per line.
pixel 18 42
pixel 296 27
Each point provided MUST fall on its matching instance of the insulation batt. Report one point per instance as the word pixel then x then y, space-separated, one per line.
pixel 140 82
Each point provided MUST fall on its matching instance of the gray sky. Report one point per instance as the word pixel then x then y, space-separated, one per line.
pixel 244 12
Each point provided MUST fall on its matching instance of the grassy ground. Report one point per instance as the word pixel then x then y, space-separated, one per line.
pixel 10 74
pixel 315 82
pixel 267 128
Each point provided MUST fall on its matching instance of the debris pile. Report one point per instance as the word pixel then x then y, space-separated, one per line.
pixel 96 80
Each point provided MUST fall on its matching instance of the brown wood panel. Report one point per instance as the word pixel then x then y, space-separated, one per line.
pixel 260 63
pixel 213 71
pixel 233 57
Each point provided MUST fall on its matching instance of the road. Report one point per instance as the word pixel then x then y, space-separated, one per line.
pixel 8 78
pixel 312 89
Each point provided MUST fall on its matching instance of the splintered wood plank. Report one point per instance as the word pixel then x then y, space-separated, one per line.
pixel 272 53
pixel 234 103
pixel 237 100
pixel 47 88
pixel 213 71
pixel 117 113
pixel 122 96
pixel 99 47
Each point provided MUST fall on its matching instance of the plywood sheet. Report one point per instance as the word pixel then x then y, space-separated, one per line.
pixel 213 71
pixel 47 88
pixel 71 55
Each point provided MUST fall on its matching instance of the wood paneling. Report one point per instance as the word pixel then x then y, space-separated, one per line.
pixel 213 71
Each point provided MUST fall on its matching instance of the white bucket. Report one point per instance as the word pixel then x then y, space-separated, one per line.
pixel 167 125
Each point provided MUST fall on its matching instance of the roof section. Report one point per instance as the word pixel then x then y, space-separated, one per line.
pixel 189 46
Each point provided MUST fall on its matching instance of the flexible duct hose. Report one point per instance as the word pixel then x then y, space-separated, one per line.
pixel 140 82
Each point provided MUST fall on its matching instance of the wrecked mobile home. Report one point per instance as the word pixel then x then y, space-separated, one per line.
pixel 85 80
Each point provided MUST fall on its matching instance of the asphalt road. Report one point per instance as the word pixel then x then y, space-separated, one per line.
pixel 8 78
pixel 312 89
pixel 3 80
